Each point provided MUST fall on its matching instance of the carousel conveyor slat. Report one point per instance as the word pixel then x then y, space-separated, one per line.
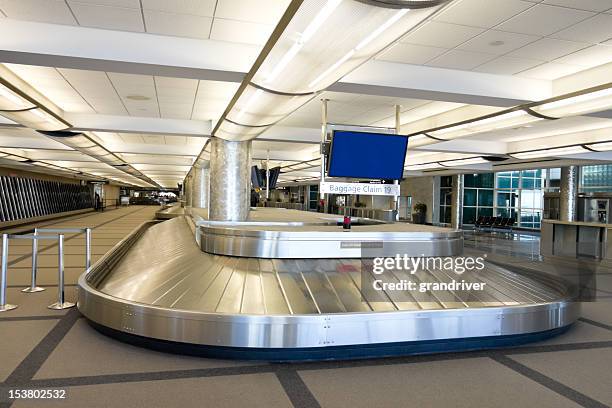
pixel 166 268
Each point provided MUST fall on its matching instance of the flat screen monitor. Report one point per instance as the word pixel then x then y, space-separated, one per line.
pixel 367 155
pixel 256 181
pixel 274 173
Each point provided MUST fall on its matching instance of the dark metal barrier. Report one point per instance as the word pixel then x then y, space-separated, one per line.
pixel 22 198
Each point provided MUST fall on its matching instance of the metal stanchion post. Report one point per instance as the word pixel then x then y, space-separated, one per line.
pixel 33 288
pixel 87 248
pixel 61 304
pixel 3 281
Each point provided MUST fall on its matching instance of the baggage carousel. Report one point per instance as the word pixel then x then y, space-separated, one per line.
pixel 262 290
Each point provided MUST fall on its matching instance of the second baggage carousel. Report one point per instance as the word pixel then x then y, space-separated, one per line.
pixel 158 288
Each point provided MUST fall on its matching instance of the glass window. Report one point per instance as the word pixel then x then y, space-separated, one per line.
pixel 503 182
pixel 485 198
pixel 446 196
pixel 503 199
pixel 469 197
pixel 528 183
pixel 484 212
pixel 469 215
pixel 528 173
pixel 469 180
pixel 485 180
pixel 446 181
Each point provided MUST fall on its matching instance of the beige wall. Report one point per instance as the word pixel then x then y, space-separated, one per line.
pixel 111 193
pixel 421 189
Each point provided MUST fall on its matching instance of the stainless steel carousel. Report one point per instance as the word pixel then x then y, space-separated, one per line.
pixel 290 285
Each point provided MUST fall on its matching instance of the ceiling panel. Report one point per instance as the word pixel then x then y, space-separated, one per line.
pixel 115 3
pixel 543 19
pixel 591 5
pixel 589 57
pixel 176 96
pixel 550 71
pixel 107 17
pixel 96 89
pixel 507 65
pixel 459 59
pixel 137 93
pixel 411 53
pixel 50 82
pixel 157 159
pixel 212 98
pixel 240 31
pixel 442 35
pixel 180 25
pixel 46 11
pixel 482 13
pixel 497 42
pixel 593 30
pixel 548 49
pixel 204 8
pixel 257 11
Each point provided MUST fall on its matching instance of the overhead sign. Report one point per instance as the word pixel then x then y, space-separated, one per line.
pixel 360 188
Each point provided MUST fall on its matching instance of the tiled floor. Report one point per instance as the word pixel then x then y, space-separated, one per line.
pixel 45 349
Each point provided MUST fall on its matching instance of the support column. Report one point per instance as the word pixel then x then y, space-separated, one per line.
pixel 200 187
pixel 568 196
pixel 230 180
pixel 457 202
pixel 188 191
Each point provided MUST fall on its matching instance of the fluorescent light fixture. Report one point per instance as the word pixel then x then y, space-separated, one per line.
pixel 319 19
pixel 419 140
pixel 577 105
pixel 503 121
pixel 37 119
pixel 321 42
pixel 13 157
pixel 85 144
pixel 463 162
pixel 424 166
pixel 332 68
pixel 381 29
pixel 11 101
pixel 600 147
pixel 555 151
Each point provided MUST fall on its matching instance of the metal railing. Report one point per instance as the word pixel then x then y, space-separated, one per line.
pixel 52 234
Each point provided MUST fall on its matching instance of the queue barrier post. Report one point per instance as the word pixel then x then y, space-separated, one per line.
pixel 4 307
pixel 61 301
pixel 33 287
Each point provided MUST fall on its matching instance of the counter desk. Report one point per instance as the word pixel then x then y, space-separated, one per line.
pixel 576 239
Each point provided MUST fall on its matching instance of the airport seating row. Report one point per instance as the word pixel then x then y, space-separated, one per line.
pixel 504 223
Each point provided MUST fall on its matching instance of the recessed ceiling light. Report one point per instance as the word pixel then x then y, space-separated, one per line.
pixel 137 97
pixel 497 43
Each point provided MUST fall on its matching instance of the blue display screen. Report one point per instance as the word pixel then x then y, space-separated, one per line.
pixel 367 155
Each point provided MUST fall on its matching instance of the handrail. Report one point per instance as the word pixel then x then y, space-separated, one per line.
pixel 87 232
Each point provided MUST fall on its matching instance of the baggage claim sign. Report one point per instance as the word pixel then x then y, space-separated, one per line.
pixel 360 188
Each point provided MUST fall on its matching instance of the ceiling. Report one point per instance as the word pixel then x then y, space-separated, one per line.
pixel 160 74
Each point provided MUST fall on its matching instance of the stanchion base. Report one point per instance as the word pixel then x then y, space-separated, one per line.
pixel 7 307
pixel 60 306
pixel 33 290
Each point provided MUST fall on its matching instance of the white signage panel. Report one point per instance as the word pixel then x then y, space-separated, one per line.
pixel 360 188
